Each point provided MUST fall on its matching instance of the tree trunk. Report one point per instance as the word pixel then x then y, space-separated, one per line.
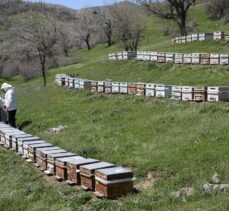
pixel 109 41
pixel 88 44
pixel 43 73
pixel 182 28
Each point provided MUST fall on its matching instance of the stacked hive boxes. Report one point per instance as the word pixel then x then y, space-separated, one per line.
pixel 185 93
pixel 66 166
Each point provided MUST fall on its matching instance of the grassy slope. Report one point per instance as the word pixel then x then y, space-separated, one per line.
pixel 182 143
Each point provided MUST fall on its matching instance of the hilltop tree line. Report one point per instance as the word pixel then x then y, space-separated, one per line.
pixel 38 36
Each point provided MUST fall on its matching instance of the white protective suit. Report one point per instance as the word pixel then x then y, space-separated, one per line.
pixel 10 101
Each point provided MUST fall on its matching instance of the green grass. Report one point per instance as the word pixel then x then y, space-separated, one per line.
pixel 182 143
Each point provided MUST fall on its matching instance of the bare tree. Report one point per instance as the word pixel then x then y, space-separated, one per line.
pixel 106 20
pixel 41 33
pixel 129 27
pixel 175 10
pixel 217 9
pixel 86 26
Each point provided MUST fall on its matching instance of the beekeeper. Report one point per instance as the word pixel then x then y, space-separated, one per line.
pixel 9 103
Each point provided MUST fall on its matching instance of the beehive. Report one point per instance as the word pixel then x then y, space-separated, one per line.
pixel 178 58
pixel 115 87
pixel 169 57
pixel 168 91
pixel 113 182
pixel 224 94
pixel 123 87
pixel 213 93
pixel 153 56
pixel 187 58
pixel 15 140
pixel 205 58
pixel 214 58
pixel 22 140
pixel 176 93
pixel 195 37
pixel 4 131
pixel 71 83
pixel 161 58
pixel 131 88
pixel 140 89
pixel 108 86
pixel 224 59
pixel 146 56
pixel 189 38
pixel 41 156
pixel 61 167
pixel 195 58
pixel 51 158
pixel 94 86
pixel 218 35
pixel 140 55
pixel 226 35
pixel 87 85
pixel 87 174
pixel 150 89
pixel 183 39
pixel 76 84
pixel 187 93
pixel 199 94
pixel 160 90
pixel 34 147
pixel 73 169
pixel 100 86
pixel 8 137
pixel 26 147
pixel 119 55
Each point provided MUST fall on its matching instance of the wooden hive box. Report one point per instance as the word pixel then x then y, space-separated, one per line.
pixel 124 55
pixel 212 94
pixel 187 58
pixel 33 148
pixel 22 140
pixel 160 90
pixel 224 94
pixel 150 90
pixel 76 84
pixel 87 85
pixel 161 58
pixel 140 55
pixel 94 86
pixel 140 89
pixel 100 86
pixel 108 87
pixel 176 93
pixel 4 131
pixel 131 88
pixel 15 140
pixel 131 54
pixel 183 39
pixel 87 174
pixel 187 93
pixel 41 156
pixel 113 182
pixel 81 82
pixel 8 138
pixel 214 58
pixel 123 87
pixel 51 158
pixel 170 57
pixel 153 56
pixel 146 56
pixel 195 58
pixel 189 38
pixel 178 58
pixel 26 147
pixel 71 83
pixel 119 55
pixel 73 169
pixel 205 58
pixel 226 35
pixel 115 87
pixel 195 37
pixel 202 36
pixel 200 94
pixel 61 166
pixel 224 59
pixel 218 35
pixel 168 91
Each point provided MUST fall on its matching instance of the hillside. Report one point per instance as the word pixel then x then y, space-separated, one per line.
pixel 168 144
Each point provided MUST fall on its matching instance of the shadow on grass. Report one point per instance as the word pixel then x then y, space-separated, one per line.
pixel 24 124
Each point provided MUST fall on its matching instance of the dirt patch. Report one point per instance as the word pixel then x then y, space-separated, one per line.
pixel 150 180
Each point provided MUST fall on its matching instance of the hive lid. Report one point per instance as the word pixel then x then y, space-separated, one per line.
pixel 114 173
pixel 53 151
pixel 8 135
pixel 67 159
pixel 39 150
pixel 59 155
pixel 98 165
pixel 41 145
pixel 28 138
pixel 82 161
pixel 16 136
pixel 33 142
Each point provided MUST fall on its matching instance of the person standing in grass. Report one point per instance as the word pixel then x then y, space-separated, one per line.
pixel 10 103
